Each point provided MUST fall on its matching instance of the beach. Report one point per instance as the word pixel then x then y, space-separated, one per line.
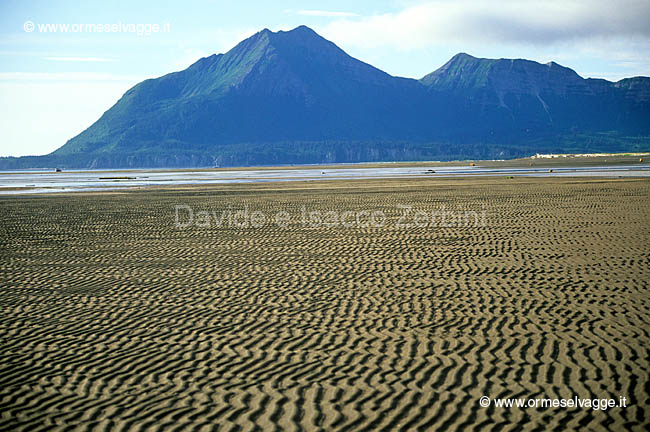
pixel 332 309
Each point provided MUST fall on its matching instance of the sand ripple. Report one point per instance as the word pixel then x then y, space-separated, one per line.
pixel 113 319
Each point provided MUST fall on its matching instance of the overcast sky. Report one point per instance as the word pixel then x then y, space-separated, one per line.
pixel 54 85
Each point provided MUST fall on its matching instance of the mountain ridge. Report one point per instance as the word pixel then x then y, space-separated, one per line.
pixel 295 97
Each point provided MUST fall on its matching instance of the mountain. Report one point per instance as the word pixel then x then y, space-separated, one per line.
pixel 523 98
pixel 295 97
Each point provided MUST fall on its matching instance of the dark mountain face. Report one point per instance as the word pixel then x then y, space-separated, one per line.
pixel 522 98
pixel 285 86
pixel 294 97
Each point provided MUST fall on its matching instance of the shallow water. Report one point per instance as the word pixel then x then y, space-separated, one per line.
pixel 19 182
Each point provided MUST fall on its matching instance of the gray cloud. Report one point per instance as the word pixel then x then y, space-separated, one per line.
pixel 553 22
pixel 509 21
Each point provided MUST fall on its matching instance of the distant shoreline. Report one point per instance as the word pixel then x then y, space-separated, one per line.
pixel 573 159
pixel 47 182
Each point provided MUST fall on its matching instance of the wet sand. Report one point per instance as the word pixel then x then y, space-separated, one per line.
pixel 115 318
pixel 40 182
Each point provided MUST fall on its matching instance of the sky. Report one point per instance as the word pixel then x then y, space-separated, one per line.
pixel 54 83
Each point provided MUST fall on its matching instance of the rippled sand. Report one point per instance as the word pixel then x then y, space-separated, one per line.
pixel 114 318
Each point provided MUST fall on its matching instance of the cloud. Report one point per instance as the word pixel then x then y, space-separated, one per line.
pixel 78 59
pixel 438 22
pixel 323 13
pixel 66 76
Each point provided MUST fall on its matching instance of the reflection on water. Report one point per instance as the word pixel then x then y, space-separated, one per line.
pixel 13 182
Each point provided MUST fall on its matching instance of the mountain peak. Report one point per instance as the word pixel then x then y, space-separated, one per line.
pixel 265 50
pixel 297 39
pixel 518 76
pixel 462 56
pixel 303 37
pixel 298 63
pixel 300 30
pixel 300 34
pixel 462 70
pixel 286 57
